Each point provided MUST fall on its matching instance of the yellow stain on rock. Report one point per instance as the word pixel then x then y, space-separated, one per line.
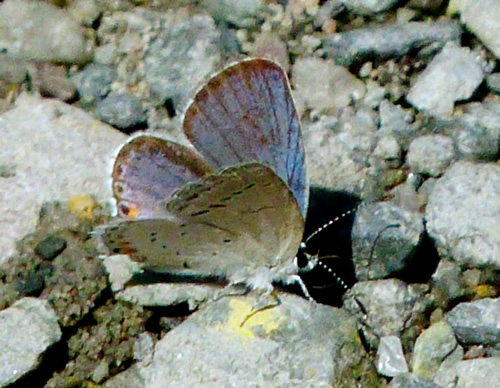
pixel 243 319
pixel 82 206
pixel 485 291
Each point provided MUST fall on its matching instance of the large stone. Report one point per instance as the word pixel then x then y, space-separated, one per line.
pixel 55 151
pixel 27 329
pixel 41 31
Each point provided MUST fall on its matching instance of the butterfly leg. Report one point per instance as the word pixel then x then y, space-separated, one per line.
pixel 232 289
pixel 296 279
pixel 264 302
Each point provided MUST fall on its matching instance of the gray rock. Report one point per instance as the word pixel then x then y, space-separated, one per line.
pixel 181 56
pixel 369 7
pixel 168 294
pixel 52 81
pixel 477 373
pixel 463 214
pixel 375 94
pixel 27 329
pixel 120 269
pixel 390 358
pixel 221 345
pixel 493 82
pixel 409 380
pixel 144 347
pixel 129 378
pixel 324 87
pixel 446 283
pixel 123 111
pixel 338 149
pixel 94 82
pixel 395 121
pixel 13 70
pixel 49 141
pixel 240 13
pixel 431 154
pixel 476 322
pixel 327 11
pixel 388 305
pixel 393 41
pixel 452 75
pixel 40 31
pixel 432 346
pixel 384 237
pixel 387 152
pixel 85 11
pixel 477 131
pixel 481 17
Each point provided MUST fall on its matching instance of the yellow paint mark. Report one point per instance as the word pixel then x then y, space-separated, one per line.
pixel 241 312
pixel 82 205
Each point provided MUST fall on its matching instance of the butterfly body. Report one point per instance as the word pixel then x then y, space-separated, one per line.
pixel 233 208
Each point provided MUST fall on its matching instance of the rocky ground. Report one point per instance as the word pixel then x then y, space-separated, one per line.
pixel 400 107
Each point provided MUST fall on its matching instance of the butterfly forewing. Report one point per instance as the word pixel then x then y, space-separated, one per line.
pixel 246 113
pixel 148 170
pixel 236 221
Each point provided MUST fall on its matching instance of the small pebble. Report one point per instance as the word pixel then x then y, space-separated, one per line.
pixel 123 111
pixel 50 247
pixel 431 155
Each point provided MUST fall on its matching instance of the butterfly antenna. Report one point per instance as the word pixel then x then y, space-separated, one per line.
pixel 331 271
pixel 331 222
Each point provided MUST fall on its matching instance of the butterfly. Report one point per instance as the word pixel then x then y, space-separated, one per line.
pixel 234 205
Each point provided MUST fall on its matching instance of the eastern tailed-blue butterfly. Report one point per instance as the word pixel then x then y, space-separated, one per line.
pixel 235 207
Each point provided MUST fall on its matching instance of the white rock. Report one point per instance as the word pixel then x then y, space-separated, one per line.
pixel 391 360
pixel 27 329
pixel 452 75
pixel 40 31
pixel 324 87
pixel 55 151
pixel 482 18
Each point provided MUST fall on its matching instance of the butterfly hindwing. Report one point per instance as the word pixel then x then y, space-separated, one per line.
pixel 233 222
pixel 148 171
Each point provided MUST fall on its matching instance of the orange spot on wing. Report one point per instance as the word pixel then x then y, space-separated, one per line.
pixel 129 211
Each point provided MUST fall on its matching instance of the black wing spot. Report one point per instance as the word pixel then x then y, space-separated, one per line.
pixel 200 213
pixel 191 197
pixel 216 206
pixel 227 240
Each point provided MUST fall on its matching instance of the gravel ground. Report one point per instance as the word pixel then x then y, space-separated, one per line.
pixel 400 111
